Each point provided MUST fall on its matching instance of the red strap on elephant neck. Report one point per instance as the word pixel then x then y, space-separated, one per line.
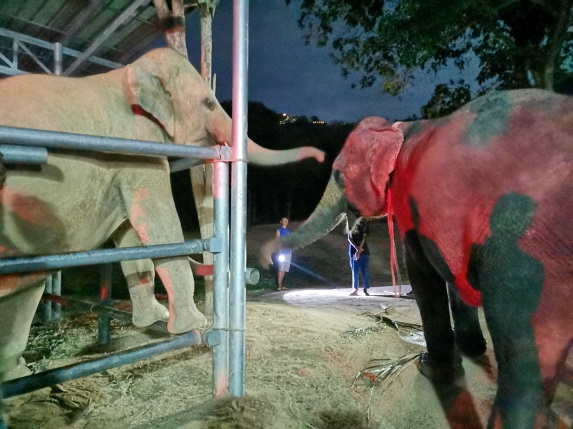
pixel 390 219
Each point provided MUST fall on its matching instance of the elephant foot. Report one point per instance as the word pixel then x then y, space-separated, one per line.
pixel 20 370
pixel 148 315
pixel 472 346
pixel 440 372
pixel 185 319
pixel 146 309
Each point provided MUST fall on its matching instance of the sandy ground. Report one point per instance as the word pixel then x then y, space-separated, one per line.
pixel 305 350
pixel 315 358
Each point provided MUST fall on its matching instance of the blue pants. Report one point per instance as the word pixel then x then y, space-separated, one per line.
pixel 360 266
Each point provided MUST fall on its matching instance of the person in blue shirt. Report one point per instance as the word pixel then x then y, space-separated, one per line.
pixel 282 259
pixel 359 255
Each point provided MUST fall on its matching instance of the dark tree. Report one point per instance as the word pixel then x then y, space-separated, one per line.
pixel 519 43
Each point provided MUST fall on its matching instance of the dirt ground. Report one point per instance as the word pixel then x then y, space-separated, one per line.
pixel 315 358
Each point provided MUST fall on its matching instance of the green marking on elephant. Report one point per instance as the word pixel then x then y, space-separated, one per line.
pixel 511 282
pixel 492 118
pixel 413 128
pixel 509 220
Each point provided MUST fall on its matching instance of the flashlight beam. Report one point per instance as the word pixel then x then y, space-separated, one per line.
pixel 309 272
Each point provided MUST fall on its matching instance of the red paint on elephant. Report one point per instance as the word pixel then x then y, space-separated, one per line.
pixel 25 207
pixel 13 282
pixel 137 214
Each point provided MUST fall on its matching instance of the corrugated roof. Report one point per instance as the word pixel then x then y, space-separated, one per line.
pixel 112 30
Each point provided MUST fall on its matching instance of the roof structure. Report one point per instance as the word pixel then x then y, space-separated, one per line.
pixel 88 36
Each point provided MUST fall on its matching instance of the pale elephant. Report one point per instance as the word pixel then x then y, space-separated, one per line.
pixel 79 200
pixel 483 200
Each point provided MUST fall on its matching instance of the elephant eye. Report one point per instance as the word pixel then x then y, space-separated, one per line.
pixel 338 177
pixel 209 103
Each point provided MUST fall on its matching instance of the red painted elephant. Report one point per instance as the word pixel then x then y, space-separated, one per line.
pixel 484 200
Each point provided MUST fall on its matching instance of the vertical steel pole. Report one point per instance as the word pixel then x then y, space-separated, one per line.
pixel 47 306
pixel 57 278
pixel 58 58
pixel 239 200
pixel 221 279
pixel 57 290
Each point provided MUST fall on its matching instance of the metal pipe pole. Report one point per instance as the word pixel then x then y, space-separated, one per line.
pixel 221 280
pixel 101 256
pixel 239 200
pixel 47 306
pixel 57 277
pixel 58 58
pixel 12 154
pixel 57 290
pixel 60 140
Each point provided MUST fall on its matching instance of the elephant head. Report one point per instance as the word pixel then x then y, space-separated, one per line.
pixel 163 86
pixel 358 182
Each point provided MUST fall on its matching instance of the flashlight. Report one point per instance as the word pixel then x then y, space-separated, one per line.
pixel 281 258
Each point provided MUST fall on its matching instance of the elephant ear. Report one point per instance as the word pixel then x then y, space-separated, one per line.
pixel 366 160
pixel 385 150
pixel 146 91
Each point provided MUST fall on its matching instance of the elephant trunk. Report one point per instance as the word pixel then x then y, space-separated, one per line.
pixel 331 210
pixel 221 130
pixel 262 156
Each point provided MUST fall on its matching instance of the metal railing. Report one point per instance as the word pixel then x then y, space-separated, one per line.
pixel 217 337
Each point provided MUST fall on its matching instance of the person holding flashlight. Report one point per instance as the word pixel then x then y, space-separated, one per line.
pixel 282 259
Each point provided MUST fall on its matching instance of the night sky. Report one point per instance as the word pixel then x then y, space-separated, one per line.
pixel 289 77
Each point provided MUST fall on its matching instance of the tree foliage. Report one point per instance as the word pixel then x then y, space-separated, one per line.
pixel 519 43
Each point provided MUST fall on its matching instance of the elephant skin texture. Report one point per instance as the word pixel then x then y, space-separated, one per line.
pixel 483 200
pixel 79 200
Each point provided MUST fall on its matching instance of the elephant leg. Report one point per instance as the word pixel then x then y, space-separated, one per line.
pixel 512 284
pixel 441 363
pixel 467 330
pixel 16 315
pixel 183 313
pixel 140 277
pixel 520 392
pixel 531 335
pixel 154 219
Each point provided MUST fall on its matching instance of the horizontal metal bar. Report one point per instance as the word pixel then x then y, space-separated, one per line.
pixel 100 256
pixel 52 139
pixel 12 154
pixel 51 377
pixel 252 276
pixel 11 71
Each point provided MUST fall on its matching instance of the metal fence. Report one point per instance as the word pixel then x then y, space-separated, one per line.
pixel 24 142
